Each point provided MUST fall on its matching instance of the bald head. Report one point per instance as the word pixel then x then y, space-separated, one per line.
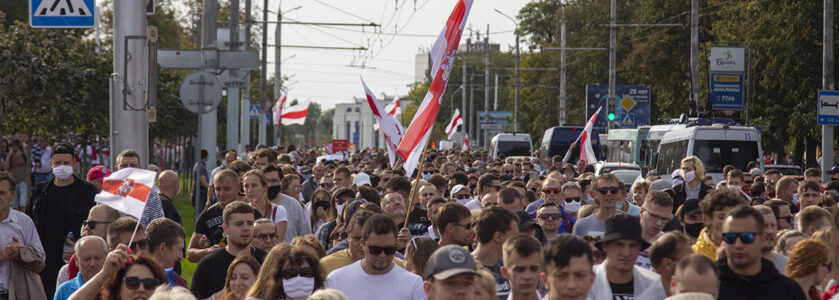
pixel 99 218
pixel 167 183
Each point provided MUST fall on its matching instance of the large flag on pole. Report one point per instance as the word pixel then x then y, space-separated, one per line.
pixel 127 190
pixel 457 120
pixel 442 58
pixel 278 109
pixel 387 123
pixel 586 150
pixel 465 145
pixel 295 114
pixel 394 107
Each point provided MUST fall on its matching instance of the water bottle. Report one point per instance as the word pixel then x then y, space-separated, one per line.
pixel 69 244
pixel 223 241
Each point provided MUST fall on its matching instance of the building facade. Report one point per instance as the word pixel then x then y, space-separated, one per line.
pixel 354 122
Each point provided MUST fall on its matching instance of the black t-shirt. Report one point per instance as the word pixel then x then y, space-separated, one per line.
pixel 209 223
pixel 169 210
pixel 212 269
pixel 622 291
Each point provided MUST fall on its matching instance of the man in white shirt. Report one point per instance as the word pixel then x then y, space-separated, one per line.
pixel 20 240
pixel 618 277
pixel 376 276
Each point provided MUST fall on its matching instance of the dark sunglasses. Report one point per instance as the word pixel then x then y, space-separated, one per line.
pixel 608 190
pixel 508 172
pixel 745 237
pixel 326 185
pixel 385 179
pixel 787 218
pixel 829 266
pixel 517 165
pixel 142 244
pixel 461 196
pixel 572 199
pixel 304 272
pixel 550 216
pixel 92 224
pixel 376 250
pixel 428 172
pixel 467 226
pixel 554 191
pixel 342 236
pixel 148 283
pixel 263 236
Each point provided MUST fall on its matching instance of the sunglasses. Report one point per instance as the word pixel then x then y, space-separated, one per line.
pixel 304 272
pixel 550 217
pixel 572 199
pixel 427 172
pixel 467 226
pixel 326 185
pixel 745 237
pixel 461 196
pixel 376 250
pixel 142 244
pixel 829 266
pixel 342 236
pixel 92 224
pixel 608 190
pixel 517 165
pixel 554 191
pixel 508 172
pixel 148 283
pixel 263 236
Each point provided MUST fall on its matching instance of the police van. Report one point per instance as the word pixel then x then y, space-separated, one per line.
pixel 716 146
pixel 510 144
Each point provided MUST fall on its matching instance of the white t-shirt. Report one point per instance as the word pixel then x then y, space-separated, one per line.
pixel 357 284
pixel 278 214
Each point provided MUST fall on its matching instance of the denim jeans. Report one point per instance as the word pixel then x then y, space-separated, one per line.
pixel 22 190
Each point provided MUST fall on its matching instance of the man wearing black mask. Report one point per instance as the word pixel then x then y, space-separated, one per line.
pixel 690 217
pixel 298 223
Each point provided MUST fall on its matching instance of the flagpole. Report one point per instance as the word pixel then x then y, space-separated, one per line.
pixel 134 234
pixel 416 184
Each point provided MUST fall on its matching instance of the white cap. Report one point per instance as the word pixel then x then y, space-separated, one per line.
pixel 361 179
pixel 459 187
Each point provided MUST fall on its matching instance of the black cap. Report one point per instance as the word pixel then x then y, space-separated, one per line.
pixel 525 220
pixel 690 206
pixel 834 170
pixel 623 226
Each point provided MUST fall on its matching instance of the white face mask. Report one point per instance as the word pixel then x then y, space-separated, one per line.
pixel 735 187
pixel 340 208
pixel 572 207
pixel 689 176
pixel 298 288
pixel 62 172
pixel 463 201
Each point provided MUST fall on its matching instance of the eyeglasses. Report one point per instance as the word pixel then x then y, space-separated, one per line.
pixel 572 199
pixel 508 172
pixel 427 172
pixel 745 237
pixel 517 165
pixel 749 181
pixel 148 283
pixel 92 224
pixel 554 191
pixel 142 244
pixel 376 250
pixel 341 236
pixel 787 218
pixel 608 190
pixel 385 179
pixel 550 217
pixel 326 185
pixel 262 236
pixel 467 226
pixel 829 266
pixel 304 272
pixel 461 196
pixel 657 218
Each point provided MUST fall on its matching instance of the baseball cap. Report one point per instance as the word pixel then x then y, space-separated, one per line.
pixel 833 170
pixel 690 206
pixel 361 179
pixel 448 261
pixel 459 187
pixel 98 173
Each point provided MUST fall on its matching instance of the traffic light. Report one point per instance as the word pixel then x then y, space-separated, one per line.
pixel 611 116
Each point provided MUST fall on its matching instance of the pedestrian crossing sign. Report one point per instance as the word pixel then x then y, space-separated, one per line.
pixel 62 13
pixel 627 120
pixel 253 111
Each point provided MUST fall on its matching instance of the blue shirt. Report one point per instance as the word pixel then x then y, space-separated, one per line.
pixel 68 288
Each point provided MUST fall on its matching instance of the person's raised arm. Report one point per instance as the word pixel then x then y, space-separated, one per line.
pixel 113 262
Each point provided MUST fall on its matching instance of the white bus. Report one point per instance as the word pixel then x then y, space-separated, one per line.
pixel 511 144
pixel 716 145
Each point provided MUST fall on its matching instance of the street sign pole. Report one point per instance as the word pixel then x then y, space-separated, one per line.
pixel 827 84
pixel 128 126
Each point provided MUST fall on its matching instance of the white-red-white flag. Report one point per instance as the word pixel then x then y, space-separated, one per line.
pixel 586 150
pixel 295 114
pixel 442 57
pixel 457 120
pixel 278 109
pixel 465 145
pixel 394 107
pixel 387 123
pixel 127 190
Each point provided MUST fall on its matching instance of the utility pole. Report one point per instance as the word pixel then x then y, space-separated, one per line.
pixel 827 84
pixel 209 121
pixel 465 113
pixel 472 114
pixel 233 88
pixel 128 125
pixel 694 56
pixel 612 61
pixel 495 102
pixel 245 127
pixel 277 68
pixel 486 89
pixel 263 80
pixel 562 67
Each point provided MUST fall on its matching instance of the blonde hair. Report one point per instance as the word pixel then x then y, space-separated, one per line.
pixel 585 211
pixel 698 166
pixel 163 292
pixel 487 282
pixel 327 294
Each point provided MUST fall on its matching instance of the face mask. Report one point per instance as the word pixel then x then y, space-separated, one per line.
pixel 589 199
pixel 426 176
pixel 572 207
pixel 299 287
pixel 795 199
pixel 463 201
pixel 689 176
pixel 735 187
pixel 340 208
pixel 63 172
pixel 694 229
pixel 466 168
pixel 620 205
pixel 273 191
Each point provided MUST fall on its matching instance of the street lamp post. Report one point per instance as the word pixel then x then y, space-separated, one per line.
pixel 516 112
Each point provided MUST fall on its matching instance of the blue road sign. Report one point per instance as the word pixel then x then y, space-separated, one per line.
pixel 61 13
pixel 253 111
pixel 726 91
pixel 828 108
pixel 630 99
pixel 627 120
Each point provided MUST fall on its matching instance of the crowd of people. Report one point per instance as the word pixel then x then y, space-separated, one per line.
pixel 291 224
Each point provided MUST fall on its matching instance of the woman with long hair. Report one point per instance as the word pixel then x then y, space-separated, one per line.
pixel 322 209
pixel 241 274
pixel 417 253
pixel 256 191
pixel 808 265
pixel 290 273
pixel 123 276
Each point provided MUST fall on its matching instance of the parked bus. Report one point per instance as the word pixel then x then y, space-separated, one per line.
pixel 716 145
pixel 629 145
pixel 556 141
pixel 511 144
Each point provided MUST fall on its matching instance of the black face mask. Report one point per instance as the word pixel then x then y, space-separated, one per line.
pixel 273 191
pixel 694 229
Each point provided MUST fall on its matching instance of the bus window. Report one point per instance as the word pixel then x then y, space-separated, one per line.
pixel 716 154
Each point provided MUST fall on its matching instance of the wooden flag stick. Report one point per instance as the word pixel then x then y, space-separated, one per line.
pixel 414 188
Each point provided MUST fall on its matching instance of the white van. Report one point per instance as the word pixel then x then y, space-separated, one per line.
pixel 715 145
pixel 511 144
